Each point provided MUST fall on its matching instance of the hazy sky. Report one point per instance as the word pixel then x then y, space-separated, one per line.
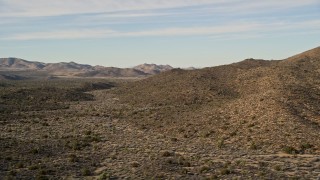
pixel 181 33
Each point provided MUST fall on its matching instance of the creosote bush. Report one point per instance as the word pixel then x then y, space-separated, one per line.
pixel 290 150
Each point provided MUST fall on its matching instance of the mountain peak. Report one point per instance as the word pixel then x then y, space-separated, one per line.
pixel 152 68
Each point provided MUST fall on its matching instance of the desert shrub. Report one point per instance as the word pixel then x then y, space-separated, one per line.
pixel 253 146
pixel 19 165
pixel 77 144
pixel 305 146
pixel 173 139
pixel 73 158
pixel 135 164
pixel 41 177
pixel 233 133
pixel 45 124
pixel 167 154
pixel 277 167
pixel 262 164
pixel 204 169
pixel 183 162
pixel 85 172
pixel 225 171
pixel 104 176
pixel 92 138
pixel 8 158
pixel 42 172
pixel 220 143
pixel 33 167
pixel 251 125
pixel 34 151
pixel 290 150
pixel 88 132
pixel 12 173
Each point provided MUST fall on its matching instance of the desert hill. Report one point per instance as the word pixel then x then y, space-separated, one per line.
pixel 114 72
pixel 75 69
pixel 152 68
pixel 309 55
pixel 16 63
pixel 266 104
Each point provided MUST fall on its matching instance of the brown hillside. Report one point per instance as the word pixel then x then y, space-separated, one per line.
pixel 271 104
pixel 313 54
pixel 15 63
pixel 113 72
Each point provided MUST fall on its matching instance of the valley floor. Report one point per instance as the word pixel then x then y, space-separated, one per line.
pixel 100 139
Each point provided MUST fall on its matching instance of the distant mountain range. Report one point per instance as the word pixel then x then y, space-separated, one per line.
pixel 15 69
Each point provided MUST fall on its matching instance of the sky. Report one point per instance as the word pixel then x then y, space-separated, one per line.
pixel 181 33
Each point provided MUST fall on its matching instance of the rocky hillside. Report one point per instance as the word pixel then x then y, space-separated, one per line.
pixel 253 104
pixel 152 68
pixel 15 63
pixel 81 70
pixel 113 72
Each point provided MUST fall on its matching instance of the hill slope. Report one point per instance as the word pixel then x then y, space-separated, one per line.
pixel 16 63
pixel 113 72
pixel 268 104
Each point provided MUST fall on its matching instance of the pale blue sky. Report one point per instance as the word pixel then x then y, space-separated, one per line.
pixel 181 33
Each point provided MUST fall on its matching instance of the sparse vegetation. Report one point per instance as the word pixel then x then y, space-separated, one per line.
pixel 253 119
pixel 225 171
pixel 290 150
pixel 220 143
pixel 85 172
pixel 305 146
